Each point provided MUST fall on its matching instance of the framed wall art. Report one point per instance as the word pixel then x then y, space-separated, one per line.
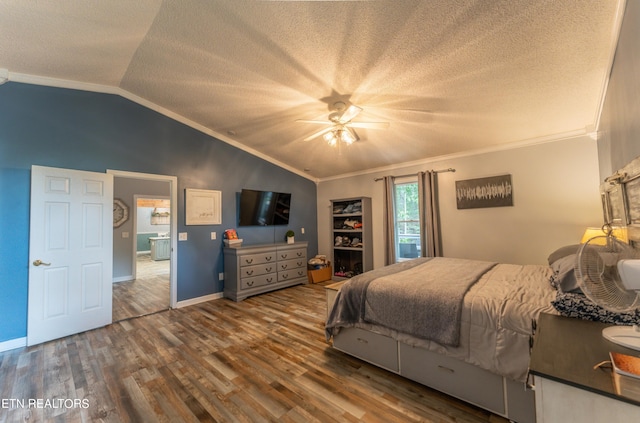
pixel 493 191
pixel 203 207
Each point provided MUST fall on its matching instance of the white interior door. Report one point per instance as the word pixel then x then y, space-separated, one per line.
pixel 70 252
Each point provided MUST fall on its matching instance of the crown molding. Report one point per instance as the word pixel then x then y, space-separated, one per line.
pixel 493 149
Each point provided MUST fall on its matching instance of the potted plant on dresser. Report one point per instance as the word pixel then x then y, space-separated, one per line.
pixel 290 237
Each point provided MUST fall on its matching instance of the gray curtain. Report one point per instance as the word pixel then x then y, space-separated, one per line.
pixel 429 214
pixel 389 221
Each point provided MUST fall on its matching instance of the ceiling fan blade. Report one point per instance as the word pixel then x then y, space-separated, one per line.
pixel 369 125
pixel 351 112
pixel 317 134
pixel 321 122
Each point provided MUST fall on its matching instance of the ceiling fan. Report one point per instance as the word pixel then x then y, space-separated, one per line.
pixel 340 125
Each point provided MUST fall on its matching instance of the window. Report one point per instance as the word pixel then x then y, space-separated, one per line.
pixel 407 219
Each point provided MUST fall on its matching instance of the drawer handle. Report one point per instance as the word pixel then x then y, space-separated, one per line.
pixel 268 269
pixel 250 283
pixel 300 263
pixel 249 272
pixel 362 341
pixel 446 369
pixel 283 266
pixel 248 261
pixel 299 254
pixel 269 258
pixel 283 256
pixel 285 276
pixel 269 280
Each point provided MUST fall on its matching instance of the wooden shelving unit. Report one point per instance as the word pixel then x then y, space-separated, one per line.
pixel 352 251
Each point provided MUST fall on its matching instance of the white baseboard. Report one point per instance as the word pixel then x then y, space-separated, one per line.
pixel 22 342
pixel 123 279
pixel 199 300
pixel 13 344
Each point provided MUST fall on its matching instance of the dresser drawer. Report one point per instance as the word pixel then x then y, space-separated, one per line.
pixel 261 280
pixel 259 269
pixel 287 275
pixel 253 259
pixel 454 377
pixel 369 346
pixel 292 264
pixel 297 253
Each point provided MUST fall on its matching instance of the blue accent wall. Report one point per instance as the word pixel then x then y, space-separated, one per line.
pixel 91 131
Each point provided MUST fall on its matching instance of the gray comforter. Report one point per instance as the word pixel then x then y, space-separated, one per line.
pixel 422 297
pixel 496 316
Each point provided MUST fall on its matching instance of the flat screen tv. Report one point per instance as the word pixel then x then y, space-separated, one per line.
pixel 263 208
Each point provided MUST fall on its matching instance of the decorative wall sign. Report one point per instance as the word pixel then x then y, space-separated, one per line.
pixel 494 191
pixel 203 207
pixel 160 216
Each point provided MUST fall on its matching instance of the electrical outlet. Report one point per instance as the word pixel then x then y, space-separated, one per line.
pixel 213 235
pixel 221 276
pixel 182 236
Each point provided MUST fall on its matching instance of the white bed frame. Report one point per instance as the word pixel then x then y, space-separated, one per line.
pixel 472 384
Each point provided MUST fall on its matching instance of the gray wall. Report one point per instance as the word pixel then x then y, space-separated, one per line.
pixel 619 131
pixel 555 198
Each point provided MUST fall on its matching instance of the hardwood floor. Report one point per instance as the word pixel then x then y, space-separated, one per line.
pixel 261 360
pixel 148 293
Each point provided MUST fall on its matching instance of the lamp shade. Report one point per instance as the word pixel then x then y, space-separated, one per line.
pixel 591 232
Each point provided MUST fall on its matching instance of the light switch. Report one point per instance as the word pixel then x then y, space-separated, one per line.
pixel 182 236
pixel 301 230
pixel 125 234
pixel 221 276
pixel 213 235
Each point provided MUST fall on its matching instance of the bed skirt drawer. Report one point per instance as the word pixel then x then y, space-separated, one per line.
pixel 372 347
pixel 454 377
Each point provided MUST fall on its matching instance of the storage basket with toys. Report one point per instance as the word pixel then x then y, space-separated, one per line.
pixel 319 269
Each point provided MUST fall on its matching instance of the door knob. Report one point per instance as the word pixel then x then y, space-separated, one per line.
pixel 41 263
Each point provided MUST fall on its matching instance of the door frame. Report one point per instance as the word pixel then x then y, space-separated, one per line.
pixel 173 197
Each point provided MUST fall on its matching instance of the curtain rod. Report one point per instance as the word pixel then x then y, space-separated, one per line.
pixel 413 174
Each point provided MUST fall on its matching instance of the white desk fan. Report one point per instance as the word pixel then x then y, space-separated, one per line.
pixel 609 275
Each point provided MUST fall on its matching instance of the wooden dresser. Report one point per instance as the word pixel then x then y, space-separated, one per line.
pixel 256 269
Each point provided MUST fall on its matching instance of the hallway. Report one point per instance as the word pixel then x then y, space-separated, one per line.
pixel 148 293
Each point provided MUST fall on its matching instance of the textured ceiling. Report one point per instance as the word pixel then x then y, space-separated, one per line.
pixel 449 76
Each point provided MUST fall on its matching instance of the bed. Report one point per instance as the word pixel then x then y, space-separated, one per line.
pixel 482 357
pixel 470 340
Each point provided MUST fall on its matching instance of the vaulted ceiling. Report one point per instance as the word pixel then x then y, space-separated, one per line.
pixel 448 75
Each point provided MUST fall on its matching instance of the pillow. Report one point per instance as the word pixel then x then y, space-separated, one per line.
pixel 562 252
pixel 564 277
pixel 571 304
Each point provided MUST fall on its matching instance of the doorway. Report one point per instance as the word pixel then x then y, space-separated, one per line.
pixel 145 248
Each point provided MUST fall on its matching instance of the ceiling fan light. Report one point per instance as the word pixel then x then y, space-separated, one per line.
pixel 347 137
pixel 330 138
